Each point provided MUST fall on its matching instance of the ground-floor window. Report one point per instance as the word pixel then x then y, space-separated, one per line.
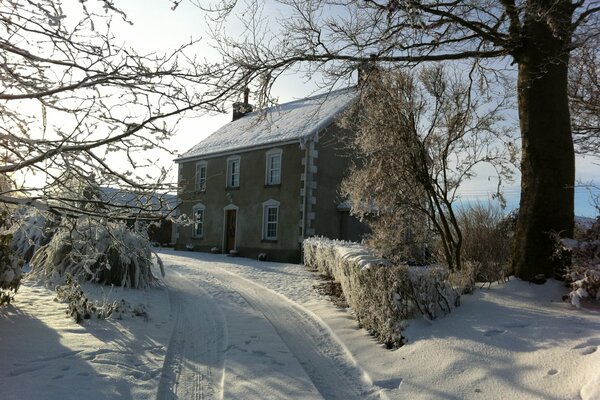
pixel 270 219
pixel 198 216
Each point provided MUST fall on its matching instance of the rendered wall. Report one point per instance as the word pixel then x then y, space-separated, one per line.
pixel 249 198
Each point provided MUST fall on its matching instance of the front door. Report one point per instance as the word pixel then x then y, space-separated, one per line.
pixel 230 219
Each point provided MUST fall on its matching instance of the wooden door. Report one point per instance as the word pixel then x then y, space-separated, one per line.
pixel 230 219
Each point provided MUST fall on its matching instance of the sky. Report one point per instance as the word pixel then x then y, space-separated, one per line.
pixel 157 28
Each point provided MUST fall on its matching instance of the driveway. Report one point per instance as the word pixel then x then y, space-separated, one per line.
pixel 235 339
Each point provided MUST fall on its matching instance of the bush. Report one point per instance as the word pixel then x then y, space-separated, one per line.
pixel 382 295
pixel 10 270
pixel 486 243
pixel 80 308
pixel 97 251
pixel 583 275
pixel 31 229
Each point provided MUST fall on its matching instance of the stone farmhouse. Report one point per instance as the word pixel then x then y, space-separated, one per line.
pixel 268 179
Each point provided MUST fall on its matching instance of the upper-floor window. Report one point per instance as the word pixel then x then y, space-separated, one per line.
pixel 233 172
pixel 270 219
pixel 198 211
pixel 201 176
pixel 273 167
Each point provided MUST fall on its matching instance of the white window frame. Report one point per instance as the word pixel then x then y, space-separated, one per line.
pixel 201 181
pixel 269 169
pixel 198 207
pixel 230 161
pixel 268 205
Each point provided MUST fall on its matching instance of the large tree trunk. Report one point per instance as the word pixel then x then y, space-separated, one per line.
pixel 548 158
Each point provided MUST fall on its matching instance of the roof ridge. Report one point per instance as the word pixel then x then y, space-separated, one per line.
pixel 299 100
pixel 291 121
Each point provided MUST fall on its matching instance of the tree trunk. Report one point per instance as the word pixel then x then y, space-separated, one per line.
pixel 548 158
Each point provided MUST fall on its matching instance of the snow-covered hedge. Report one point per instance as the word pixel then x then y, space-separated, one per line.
pixel 98 251
pixel 381 295
pixel 584 274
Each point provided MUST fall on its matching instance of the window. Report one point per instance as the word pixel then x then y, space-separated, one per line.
pixel 233 172
pixel 270 219
pixel 201 176
pixel 273 174
pixel 198 211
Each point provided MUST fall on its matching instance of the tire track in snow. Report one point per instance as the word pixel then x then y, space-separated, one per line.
pixel 193 366
pixel 325 361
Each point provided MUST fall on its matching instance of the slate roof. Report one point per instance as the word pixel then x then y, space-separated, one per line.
pixel 288 122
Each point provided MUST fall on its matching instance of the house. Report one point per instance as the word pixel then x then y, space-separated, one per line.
pixel 267 180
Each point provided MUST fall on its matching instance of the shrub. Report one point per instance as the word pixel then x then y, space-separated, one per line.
pixel 31 229
pixel 583 275
pixel 400 238
pixel 97 251
pixel 382 295
pixel 486 236
pixel 80 308
pixel 10 270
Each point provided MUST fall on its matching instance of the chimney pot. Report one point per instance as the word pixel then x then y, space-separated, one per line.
pixel 241 109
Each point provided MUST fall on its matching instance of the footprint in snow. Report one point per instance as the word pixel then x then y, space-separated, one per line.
pixel 589 350
pixel 391 384
pixel 552 372
pixel 493 332
pixel 588 347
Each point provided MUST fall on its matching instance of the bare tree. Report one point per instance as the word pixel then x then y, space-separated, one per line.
pixel 584 96
pixel 331 37
pixel 418 141
pixel 77 104
pixel 79 109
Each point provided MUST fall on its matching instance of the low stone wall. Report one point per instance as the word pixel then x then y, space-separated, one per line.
pixel 381 295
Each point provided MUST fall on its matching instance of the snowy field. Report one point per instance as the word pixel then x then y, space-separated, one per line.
pixel 235 328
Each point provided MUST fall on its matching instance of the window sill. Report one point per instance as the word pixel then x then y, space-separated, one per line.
pixel 198 237
pixel 269 240
pixel 232 188
pixel 272 185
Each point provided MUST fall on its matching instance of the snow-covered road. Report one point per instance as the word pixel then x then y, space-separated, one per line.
pixel 233 338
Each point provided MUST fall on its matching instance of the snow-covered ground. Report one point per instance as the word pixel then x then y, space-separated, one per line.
pixel 235 328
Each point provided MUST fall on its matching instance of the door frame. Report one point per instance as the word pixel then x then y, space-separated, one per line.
pixel 230 207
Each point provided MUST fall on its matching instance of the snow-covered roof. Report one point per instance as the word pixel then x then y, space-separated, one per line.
pixel 296 120
pixel 155 202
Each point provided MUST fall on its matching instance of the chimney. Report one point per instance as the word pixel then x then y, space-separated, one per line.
pixel 241 109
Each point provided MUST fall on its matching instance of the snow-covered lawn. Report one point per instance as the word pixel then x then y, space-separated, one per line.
pixel 242 329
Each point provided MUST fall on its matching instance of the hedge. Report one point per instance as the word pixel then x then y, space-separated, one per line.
pixel 381 295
